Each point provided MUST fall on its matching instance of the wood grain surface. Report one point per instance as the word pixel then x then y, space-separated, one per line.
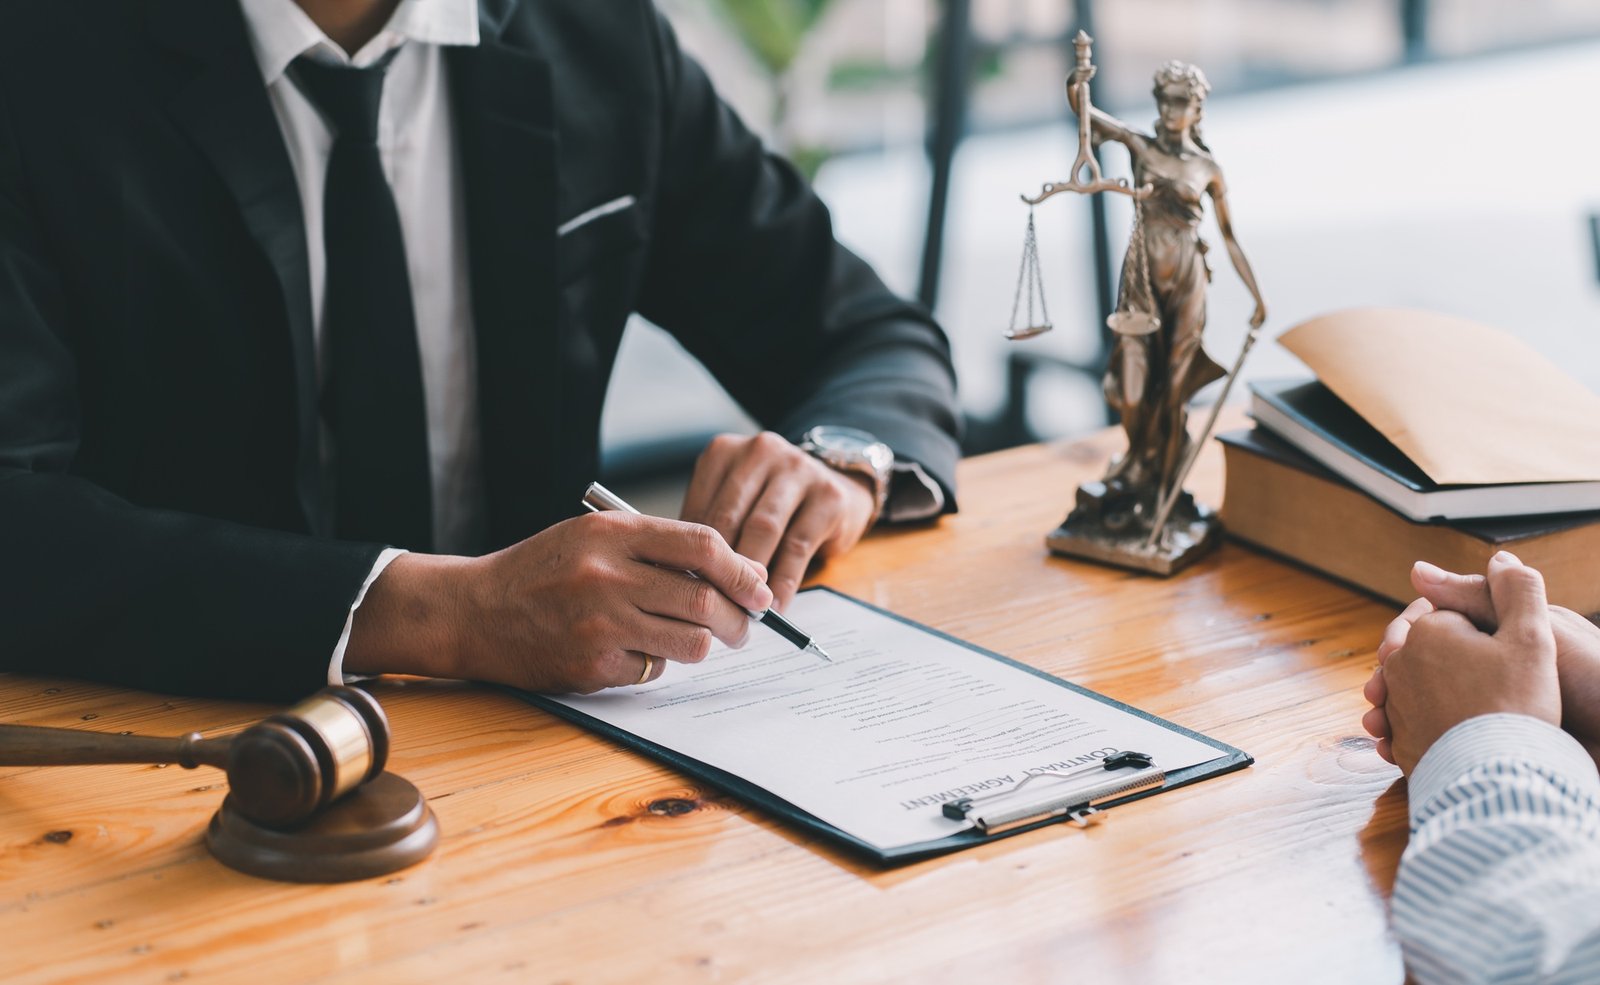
pixel 565 859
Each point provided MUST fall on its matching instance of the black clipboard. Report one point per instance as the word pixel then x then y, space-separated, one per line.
pixel 1229 759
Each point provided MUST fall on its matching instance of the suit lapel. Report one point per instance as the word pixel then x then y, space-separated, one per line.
pixel 505 123
pixel 225 111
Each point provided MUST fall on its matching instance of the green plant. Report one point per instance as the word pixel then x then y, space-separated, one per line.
pixel 774 30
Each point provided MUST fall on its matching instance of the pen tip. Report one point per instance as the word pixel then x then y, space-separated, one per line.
pixel 816 648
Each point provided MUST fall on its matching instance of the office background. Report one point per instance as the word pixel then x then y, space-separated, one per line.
pixel 1432 153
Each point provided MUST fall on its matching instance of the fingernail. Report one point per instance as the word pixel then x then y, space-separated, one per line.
pixel 1506 557
pixel 1430 573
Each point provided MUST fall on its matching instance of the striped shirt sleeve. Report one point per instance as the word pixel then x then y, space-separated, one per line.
pixel 1501 880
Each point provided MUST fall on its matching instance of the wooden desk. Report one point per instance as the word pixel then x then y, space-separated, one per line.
pixel 567 859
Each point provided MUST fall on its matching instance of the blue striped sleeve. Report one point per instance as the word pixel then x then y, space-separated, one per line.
pixel 1501 880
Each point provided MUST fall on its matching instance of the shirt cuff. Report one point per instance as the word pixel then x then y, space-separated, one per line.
pixel 913 495
pixel 1479 741
pixel 336 674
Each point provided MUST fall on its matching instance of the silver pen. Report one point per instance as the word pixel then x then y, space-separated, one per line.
pixel 598 498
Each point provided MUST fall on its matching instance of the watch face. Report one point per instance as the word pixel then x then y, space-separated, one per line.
pixel 841 439
pixel 854 451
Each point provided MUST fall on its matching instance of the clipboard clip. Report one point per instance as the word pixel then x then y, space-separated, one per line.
pixel 1076 794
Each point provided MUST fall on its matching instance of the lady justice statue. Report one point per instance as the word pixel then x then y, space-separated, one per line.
pixel 1138 515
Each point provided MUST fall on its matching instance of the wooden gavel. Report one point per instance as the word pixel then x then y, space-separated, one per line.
pixel 308 799
pixel 281 771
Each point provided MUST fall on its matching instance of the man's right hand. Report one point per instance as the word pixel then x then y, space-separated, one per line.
pixel 575 608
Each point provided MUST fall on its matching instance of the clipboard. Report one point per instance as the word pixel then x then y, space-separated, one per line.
pixel 1229 759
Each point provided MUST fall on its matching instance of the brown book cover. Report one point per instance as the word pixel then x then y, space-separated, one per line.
pixel 1279 499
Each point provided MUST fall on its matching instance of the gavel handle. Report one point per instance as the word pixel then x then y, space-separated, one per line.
pixel 33 745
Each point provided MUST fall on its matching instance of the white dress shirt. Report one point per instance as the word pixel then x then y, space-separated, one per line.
pixel 1501 880
pixel 416 145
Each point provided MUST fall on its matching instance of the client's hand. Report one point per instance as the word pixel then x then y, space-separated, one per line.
pixel 1577 644
pixel 577 607
pixel 1436 669
pixel 777 505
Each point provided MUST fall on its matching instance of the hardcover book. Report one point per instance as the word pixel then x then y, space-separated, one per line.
pixel 1281 500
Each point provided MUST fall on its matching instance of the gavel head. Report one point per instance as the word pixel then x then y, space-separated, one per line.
pixel 284 769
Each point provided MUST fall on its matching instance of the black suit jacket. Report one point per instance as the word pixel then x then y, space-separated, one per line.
pixel 161 521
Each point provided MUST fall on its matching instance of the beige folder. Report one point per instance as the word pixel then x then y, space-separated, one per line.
pixel 1468 403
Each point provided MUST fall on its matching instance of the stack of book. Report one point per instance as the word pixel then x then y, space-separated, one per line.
pixel 1317 482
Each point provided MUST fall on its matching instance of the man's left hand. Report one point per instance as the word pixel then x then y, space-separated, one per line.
pixel 777 505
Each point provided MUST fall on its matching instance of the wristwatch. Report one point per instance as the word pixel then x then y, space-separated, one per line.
pixel 856 452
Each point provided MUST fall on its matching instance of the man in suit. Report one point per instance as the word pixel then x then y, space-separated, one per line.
pixel 307 309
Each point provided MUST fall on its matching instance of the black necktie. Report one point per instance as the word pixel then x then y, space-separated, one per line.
pixel 372 395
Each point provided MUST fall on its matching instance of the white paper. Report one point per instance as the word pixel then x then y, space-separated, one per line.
pixel 875 742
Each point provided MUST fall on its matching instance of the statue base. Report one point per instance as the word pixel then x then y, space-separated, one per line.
pixel 1113 527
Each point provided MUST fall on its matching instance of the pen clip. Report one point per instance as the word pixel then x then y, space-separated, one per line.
pixel 1041 795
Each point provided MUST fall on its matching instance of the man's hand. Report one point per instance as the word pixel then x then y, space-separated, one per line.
pixel 1436 669
pixel 777 505
pixel 574 608
pixel 1376 691
pixel 1577 644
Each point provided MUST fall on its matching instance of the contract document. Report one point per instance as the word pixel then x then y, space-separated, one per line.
pixel 875 743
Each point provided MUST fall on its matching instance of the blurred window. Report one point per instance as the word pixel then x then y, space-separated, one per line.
pixel 844 88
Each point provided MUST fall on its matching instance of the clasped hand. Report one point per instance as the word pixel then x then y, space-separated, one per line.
pixel 1477 644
